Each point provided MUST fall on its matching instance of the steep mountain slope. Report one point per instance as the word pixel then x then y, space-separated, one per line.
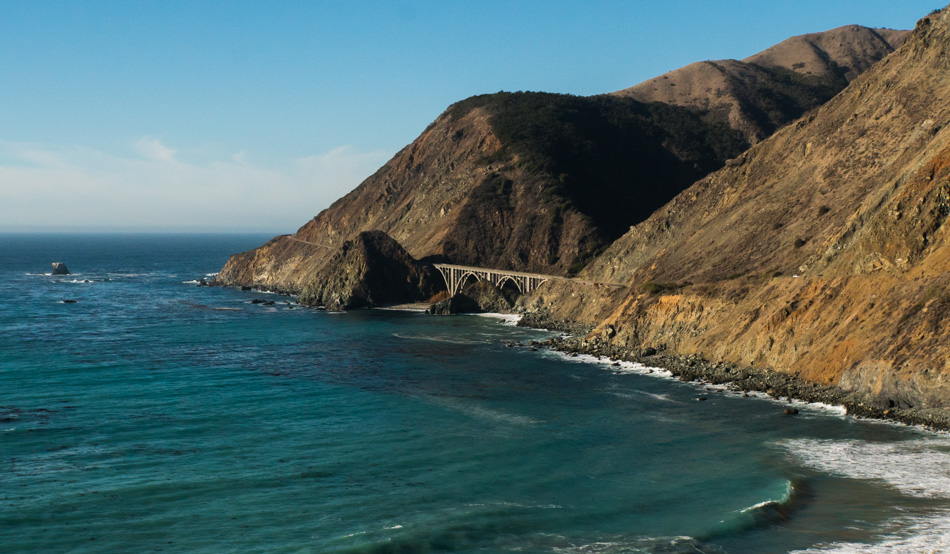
pixel 527 181
pixel 542 182
pixel 821 252
pixel 764 91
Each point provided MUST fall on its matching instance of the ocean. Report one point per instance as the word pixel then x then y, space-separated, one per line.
pixel 153 414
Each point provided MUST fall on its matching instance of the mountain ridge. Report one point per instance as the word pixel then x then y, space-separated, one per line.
pixel 765 90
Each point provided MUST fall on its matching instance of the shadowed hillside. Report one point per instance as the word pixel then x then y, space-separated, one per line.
pixel 821 252
pixel 528 181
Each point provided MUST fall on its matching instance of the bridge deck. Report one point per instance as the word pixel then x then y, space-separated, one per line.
pixel 505 271
pixel 456 275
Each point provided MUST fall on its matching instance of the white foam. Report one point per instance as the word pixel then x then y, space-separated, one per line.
pixel 192 282
pixel 507 319
pixel 503 504
pixel 789 489
pixel 641 369
pixel 483 413
pixel 624 544
pixel 607 363
pixel 930 534
pixel 915 467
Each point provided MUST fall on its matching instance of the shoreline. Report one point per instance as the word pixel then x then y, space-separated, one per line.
pixel 696 369
pixel 776 385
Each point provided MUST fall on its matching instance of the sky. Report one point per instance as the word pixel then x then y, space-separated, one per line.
pixel 252 116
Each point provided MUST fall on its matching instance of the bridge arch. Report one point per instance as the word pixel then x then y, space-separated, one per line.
pixel 510 279
pixel 457 275
pixel 464 280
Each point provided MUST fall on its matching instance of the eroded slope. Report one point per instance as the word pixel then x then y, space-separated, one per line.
pixel 821 252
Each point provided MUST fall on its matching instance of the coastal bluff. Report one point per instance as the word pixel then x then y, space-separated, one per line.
pixel 822 252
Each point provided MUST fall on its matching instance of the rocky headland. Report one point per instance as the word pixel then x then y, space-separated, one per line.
pixel 370 270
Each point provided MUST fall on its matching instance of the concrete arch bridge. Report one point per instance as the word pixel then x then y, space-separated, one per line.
pixel 457 275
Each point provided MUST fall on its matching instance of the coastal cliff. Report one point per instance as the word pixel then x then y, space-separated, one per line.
pixel 544 182
pixel 820 253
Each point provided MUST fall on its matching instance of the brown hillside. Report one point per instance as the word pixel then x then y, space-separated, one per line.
pixel 414 198
pixel 764 91
pixel 821 251
pixel 525 181
pixel 542 182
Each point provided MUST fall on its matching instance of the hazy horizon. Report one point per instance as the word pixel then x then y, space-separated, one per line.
pixel 216 117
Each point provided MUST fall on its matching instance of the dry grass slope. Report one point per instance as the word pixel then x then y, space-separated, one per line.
pixel 821 252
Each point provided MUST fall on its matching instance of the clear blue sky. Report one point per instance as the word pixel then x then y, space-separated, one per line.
pixel 256 115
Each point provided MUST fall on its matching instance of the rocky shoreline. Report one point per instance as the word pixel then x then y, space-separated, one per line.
pixel 577 340
pixel 694 368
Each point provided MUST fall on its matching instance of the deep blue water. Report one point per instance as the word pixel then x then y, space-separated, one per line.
pixel 153 415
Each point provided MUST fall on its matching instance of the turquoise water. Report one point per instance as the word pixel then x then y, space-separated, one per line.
pixel 153 414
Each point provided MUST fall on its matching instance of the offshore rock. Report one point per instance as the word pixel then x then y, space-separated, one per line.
pixel 370 270
pixel 59 268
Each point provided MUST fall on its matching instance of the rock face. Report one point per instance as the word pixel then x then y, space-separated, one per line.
pixel 479 297
pixel 458 304
pixel 59 268
pixel 822 251
pixel 370 270
pixel 763 92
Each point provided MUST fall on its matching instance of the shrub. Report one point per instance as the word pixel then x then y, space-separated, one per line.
pixel 439 296
pixel 652 287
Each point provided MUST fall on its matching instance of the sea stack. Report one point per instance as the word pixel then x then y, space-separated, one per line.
pixel 59 268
